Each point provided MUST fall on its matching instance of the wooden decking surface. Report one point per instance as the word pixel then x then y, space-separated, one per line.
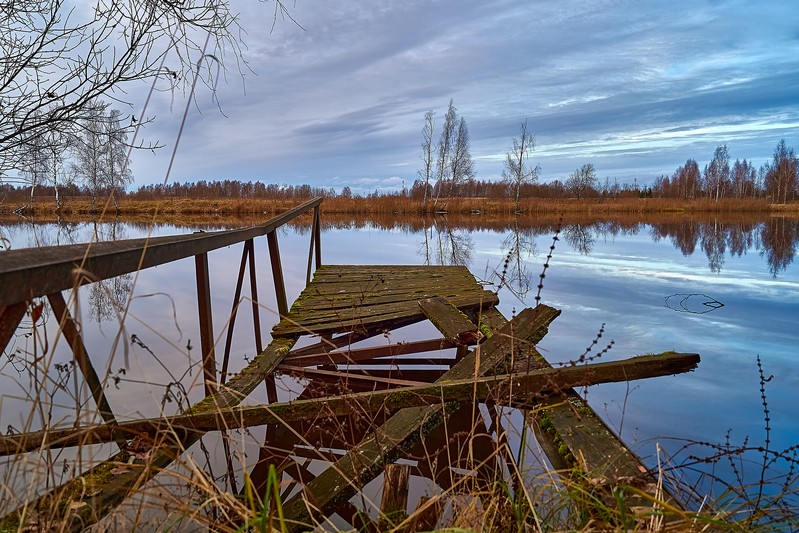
pixel 345 298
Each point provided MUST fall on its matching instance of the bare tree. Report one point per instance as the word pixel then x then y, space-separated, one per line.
pixel 781 179
pixel 427 154
pixel 717 174
pixel 88 151
pixel 743 177
pixel 461 164
pixel 34 162
pixel 58 57
pixel 444 149
pixel 582 180
pixel 517 167
pixel 686 180
pixel 117 173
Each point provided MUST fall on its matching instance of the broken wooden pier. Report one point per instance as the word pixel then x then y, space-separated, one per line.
pixel 364 406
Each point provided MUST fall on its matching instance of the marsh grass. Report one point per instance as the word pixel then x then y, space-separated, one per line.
pixel 131 205
pixel 519 492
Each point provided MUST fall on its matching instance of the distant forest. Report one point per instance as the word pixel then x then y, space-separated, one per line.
pixel 776 181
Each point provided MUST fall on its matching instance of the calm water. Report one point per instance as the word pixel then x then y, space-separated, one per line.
pixel 649 287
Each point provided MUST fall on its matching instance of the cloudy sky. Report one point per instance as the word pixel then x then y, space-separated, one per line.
pixel 635 87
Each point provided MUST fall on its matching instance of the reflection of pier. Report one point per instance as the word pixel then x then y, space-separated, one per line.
pixel 435 404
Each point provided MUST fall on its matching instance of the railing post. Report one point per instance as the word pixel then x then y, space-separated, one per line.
pixel 10 317
pixel 72 335
pixel 234 313
pixel 206 323
pixel 256 310
pixel 315 247
pixel 277 274
pixel 318 234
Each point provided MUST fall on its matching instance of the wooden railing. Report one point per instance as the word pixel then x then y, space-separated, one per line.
pixel 31 273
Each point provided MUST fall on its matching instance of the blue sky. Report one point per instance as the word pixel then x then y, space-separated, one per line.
pixel 634 87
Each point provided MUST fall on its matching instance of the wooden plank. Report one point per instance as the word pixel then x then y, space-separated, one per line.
pixel 394 500
pixel 309 304
pixel 361 464
pixel 376 353
pixel 10 317
pixel 341 298
pixel 72 334
pixel 390 316
pixel 561 436
pixel 453 324
pixel 86 499
pixel 505 388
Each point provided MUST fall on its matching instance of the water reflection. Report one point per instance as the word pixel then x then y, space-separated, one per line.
pixel 443 244
pixel 447 241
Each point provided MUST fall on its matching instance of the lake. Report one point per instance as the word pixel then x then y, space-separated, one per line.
pixel 726 288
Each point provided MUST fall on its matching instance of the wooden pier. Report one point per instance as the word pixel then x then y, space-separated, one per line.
pixel 362 408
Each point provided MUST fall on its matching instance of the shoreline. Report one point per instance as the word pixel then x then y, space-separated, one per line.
pixel 396 206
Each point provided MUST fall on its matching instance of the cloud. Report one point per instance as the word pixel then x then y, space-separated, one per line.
pixel 635 88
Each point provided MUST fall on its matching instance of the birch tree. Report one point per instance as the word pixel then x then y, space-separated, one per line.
pixel 117 173
pixel 517 166
pixel 426 172
pixel 717 174
pixel 780 177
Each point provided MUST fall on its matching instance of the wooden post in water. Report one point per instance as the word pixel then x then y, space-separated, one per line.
pixel 394 503
pixel 206 323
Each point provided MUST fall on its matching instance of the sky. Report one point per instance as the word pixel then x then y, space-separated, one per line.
pixel 337 97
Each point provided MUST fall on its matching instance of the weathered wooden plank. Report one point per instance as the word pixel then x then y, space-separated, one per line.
pixel 86 499
pixel 452 323
pixel 388 317
pixel 342 298
pixel 340 481
pixel 507 389
pixel 394 501
pixel 10 317
pixel 71 333
pixel 378 353
pixel 581 439
pixel 331 307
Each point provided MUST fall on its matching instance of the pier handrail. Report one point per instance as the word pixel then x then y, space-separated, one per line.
pixel 34 272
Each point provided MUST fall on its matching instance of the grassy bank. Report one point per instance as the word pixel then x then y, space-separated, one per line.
pixel 394 205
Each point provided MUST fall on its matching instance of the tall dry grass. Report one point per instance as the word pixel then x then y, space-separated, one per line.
pixel 403 206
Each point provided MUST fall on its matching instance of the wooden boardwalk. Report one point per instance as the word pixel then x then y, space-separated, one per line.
pixel 360 436
pixel 364 299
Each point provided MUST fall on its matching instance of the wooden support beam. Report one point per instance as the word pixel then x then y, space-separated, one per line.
pixel 85 500
pixel 394 501
pixel 206 323
pixel 366 460
pixel 426 515
pixel 502 389
pixel 277 274
pixel 359 355
pixel 453 324
pixel 10 317
pixel 73 337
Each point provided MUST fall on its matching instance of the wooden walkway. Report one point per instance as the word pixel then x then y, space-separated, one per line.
pixel 364 299
pixel 359 438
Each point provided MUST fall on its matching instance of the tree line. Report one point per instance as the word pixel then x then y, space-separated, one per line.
pixel 92 159
pixel 776 180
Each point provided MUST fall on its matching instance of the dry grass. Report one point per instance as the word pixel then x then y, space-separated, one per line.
pixel 402 206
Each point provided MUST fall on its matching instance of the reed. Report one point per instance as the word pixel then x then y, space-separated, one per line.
pixel 400 206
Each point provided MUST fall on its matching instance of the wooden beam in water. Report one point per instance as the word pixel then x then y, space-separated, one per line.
pixel 453 324
pixel 506 389
pixel 366 460
pixel 85 500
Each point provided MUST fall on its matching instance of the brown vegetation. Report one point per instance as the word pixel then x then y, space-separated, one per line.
pixel 166 207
